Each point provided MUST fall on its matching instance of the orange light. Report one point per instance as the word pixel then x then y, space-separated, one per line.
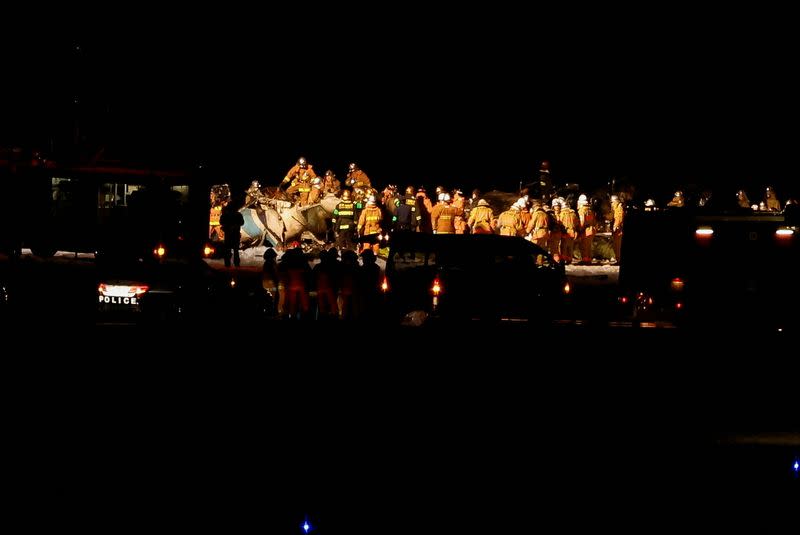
pixel 676 285
pixel 159 251
pixel 233 283
pixel 437 287
pixel 567 288
pixel 385 285
pixel 208 250
pixel 704 232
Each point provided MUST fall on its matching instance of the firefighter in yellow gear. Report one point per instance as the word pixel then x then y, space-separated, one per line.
pixel 570 224
pixel 508 222
pixel 330 184
pixel 481 218
pixel 299 177
pixel 556 230
pixel 586 229
pixel 616 226
pixel 538 227
pixel 443 215
pixel 369 223
pixel 357 179
pixel 771 201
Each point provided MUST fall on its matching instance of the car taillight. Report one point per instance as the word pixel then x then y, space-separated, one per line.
pixel 623 299
pixel 784 232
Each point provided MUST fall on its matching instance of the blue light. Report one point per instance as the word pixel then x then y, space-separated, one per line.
pixel 306 527
pixel 796 466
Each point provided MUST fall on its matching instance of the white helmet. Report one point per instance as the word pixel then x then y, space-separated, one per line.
pixel 583 198
pixel 614 198
pixel 649 202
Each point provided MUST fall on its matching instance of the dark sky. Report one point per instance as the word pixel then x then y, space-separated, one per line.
pixel 461 98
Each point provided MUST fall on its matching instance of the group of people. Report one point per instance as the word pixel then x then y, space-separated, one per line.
pixel 343 288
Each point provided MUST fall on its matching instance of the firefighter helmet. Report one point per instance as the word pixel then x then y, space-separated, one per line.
pixel 302 162
pixel 330 173
pixel 409 190
pixel 352 167
pixel 483 202
pixel 346 195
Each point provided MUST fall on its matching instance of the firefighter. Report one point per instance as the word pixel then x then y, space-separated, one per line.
pixel 538 226
pixel 254 195
pixel 524 216
pixel 556 229
pixel 570 224
pixel 460 222
pixel 425 206
pixel 586 229
pixel 344 221
pixel 408 214
pixel 616 227
pixel 316 190
pixel 771 201
pixel 481 218
pixel 357 179
pixel 369 223
pixel 443 216
pixel 299 177
pixel 677 200
pixel 508 222
pixel 742 200
pixel 330 184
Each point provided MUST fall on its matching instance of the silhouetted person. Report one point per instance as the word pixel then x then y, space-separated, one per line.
pixel 231 222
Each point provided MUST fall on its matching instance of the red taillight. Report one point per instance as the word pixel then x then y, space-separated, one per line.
pixel 437 287
pixel 679 305
pixel 784 232
pixel 623 299
pixel 385 285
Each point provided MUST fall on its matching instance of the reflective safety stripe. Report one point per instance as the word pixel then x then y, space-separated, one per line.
pixel 342 227
pixel 345 212
pixel 372 218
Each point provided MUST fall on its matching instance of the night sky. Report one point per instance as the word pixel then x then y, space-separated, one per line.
pixel 468 99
